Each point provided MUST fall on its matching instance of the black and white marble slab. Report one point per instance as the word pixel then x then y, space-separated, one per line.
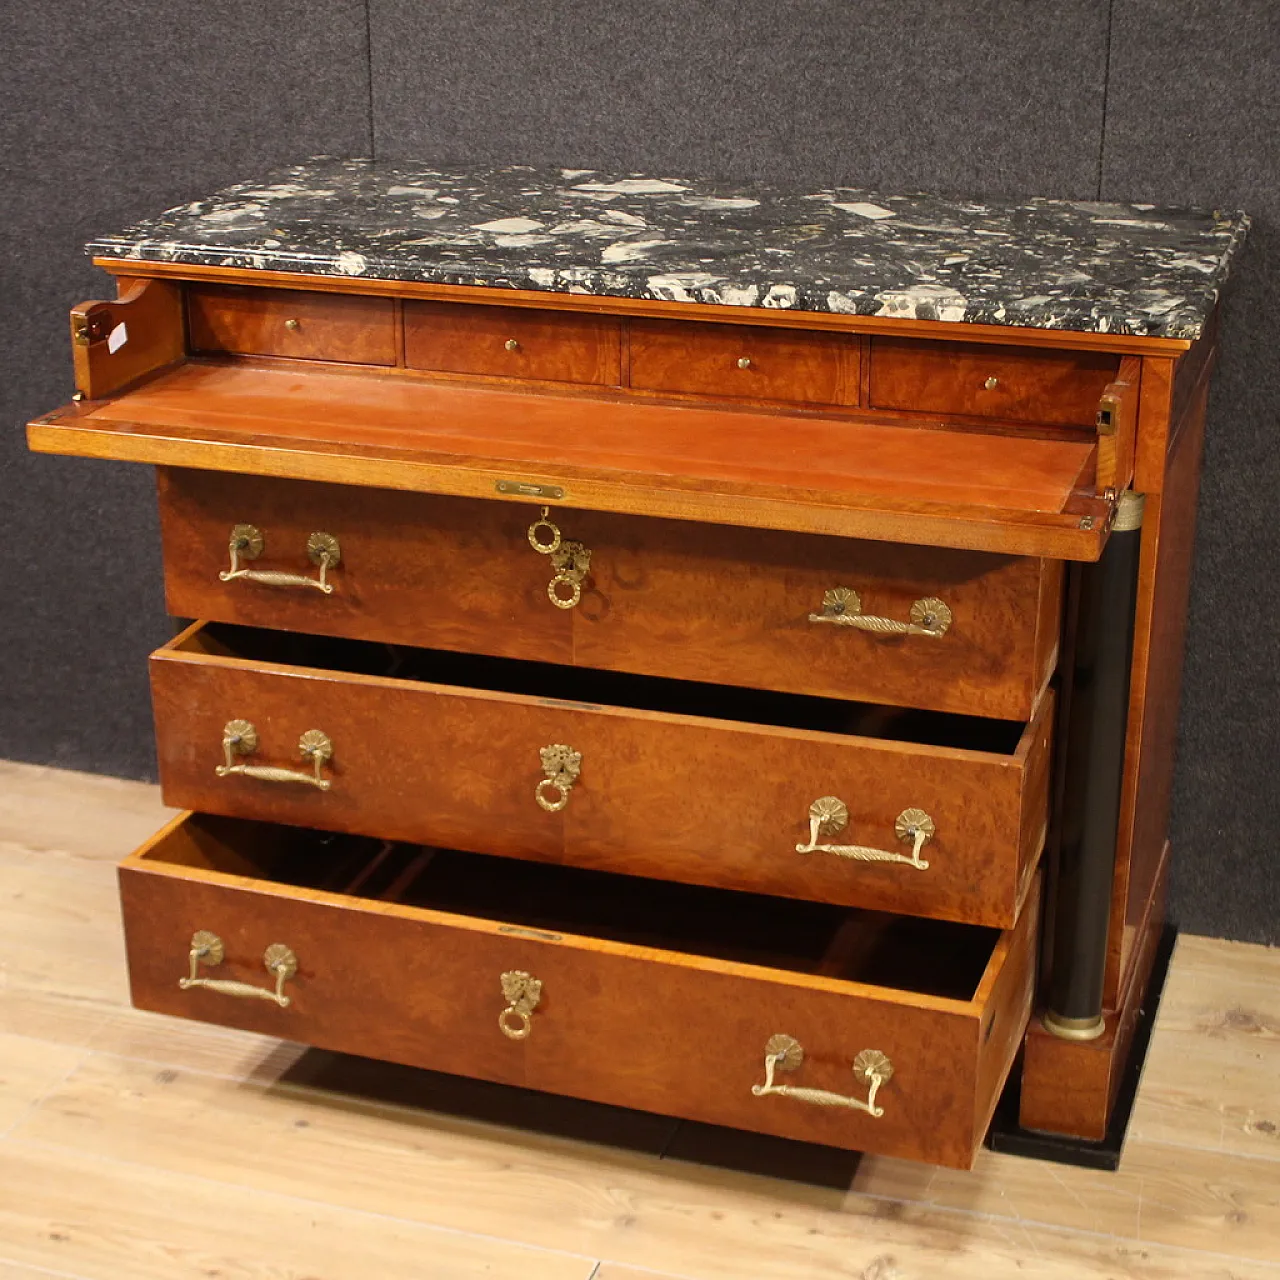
pixel 1046 264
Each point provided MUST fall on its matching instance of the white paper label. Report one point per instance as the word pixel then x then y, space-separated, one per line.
pixel 117 338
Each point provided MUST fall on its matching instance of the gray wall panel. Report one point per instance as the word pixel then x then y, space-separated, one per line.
pixel 990 96
pixel 1193 115
pixel 108 112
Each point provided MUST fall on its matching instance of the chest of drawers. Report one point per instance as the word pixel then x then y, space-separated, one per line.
pixel 712 652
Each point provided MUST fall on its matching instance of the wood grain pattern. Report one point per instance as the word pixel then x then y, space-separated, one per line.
pixel 1194 1198
pixel 705 360
pixel 1164 585
pixel 487 295
pixel 151 1227
pixel 453 337
pixel 436 1004
pixel 424 570
pixel 435 760
pixel 28 1070
pixel 1014 495
pixel 291 322
pixel 113 344
pixel 1052 387
pixel 721 604
pixel 672 598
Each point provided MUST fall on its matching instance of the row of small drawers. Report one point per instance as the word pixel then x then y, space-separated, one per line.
pixel 742 362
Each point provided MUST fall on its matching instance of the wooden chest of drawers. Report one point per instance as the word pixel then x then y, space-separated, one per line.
pixel 687 696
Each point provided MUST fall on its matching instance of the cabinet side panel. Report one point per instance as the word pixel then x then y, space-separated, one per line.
pixel 1170 519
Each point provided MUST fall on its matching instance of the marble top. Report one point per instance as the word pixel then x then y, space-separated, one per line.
pixel 1046 264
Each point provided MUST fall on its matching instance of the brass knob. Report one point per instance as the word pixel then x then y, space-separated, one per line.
pixel 744 362
pixel 511 345
pixel 991 383
pixel 292 325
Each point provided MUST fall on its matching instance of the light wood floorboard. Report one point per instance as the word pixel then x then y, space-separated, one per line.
pixel 134 1147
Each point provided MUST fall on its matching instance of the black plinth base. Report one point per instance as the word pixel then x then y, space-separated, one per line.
pixel 1005 1134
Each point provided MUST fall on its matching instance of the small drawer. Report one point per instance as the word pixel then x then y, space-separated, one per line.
pixel 926 814
pixel 512 342
pixel 291 322
pixel 832 617
pixel 744 362
pixel 848 1028
pixel 1049 388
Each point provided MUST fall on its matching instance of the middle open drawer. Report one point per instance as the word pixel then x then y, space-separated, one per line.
pixel 904 811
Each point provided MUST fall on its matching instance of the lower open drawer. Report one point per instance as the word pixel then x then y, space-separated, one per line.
pixel 827 1024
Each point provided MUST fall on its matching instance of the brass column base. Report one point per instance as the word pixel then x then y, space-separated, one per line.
pixel 1074 1028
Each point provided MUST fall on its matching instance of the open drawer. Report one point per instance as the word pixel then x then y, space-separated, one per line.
pixel 813 1022
pixel 729 465
pixel 918 812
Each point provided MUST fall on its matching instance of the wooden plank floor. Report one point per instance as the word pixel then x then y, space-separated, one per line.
pixel 134 1147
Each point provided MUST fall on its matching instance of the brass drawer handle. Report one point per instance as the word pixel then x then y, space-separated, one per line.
pixel 784 1053
pixel 240 738
pixel 570 560
pixel 247 543
pixel 830 814
pixel 562 765
pixel 842 606
pixel 207 948
pixel 522 992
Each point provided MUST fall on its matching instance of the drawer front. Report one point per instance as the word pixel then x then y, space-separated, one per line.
pixel 664 1031
pixel 662 597
pixel 512 342
pixel 1051 388
pixel 743 362
pixel 766 807
pixel 291 322
pixel 442 573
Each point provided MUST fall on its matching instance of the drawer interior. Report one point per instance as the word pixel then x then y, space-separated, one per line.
pixel 604 688
pixel 928 957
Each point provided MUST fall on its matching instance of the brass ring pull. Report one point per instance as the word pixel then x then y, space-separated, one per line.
pixel 570 560
pixel 562 765
pixel 240 738
pixel 247 543
pixel 278 960
pixel 522 992
pixel 830 814
pixel 535 541
pixel 842 606
pixel 784 1053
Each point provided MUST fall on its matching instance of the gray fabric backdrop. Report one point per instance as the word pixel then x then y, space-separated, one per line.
pixel 107 113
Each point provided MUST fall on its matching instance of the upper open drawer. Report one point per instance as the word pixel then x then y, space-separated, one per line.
pixel 150 399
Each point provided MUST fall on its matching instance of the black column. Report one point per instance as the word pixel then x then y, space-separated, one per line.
pixel 1098 715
